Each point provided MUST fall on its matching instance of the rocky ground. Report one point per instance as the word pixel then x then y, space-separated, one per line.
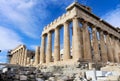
pixel 37 75
pixel 33 74
pixel 77 72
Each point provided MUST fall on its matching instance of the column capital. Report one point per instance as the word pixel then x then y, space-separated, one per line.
pixel 111 36
pixel 66 22
pixel 75 18
pixel 83 21
pixel 49 32
pixel 105 32
pixel 94 28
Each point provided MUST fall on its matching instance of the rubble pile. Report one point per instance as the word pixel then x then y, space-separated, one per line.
pixel 79 72
pixel 34 74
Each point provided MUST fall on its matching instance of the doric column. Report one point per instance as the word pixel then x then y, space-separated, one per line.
pixel 86 43
pixel 118 43
pixel 76 40
pixel 19 51
pixel 14 58
pixel 95 45
pixel 42 51
pixel 66 53
pixel 49 48
pixel 25 57
pixel 17 57
pixel 57 45
pixel 37 55
pixel 116 50
pixel 109 49
pixel 113 46
pixel 21 56
pixel 103 47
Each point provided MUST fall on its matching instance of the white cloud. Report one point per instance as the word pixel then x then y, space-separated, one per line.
pixel 8 39
pixel 113 17
pixel 25 14
pixel 20 14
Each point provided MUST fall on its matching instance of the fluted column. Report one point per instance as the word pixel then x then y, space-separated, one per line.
pixel 76 43
pixel 116 50
pixel 14 58
pixel 66 42
pixel 86 43
pixel 49 48
pixel 113 46
pixel 109 49
pixel 103 47
pixel 25 57
pixel 37 55
pixel 95 45
pixel 118 43
pixel 19 56
pixel 42 51
pixel 57 45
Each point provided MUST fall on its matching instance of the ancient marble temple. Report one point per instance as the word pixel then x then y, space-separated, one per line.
pixel 93 39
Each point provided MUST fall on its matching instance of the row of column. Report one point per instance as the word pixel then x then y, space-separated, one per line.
pixel 107 48
pixel 103 49
pixel 19 57
pixel 76 46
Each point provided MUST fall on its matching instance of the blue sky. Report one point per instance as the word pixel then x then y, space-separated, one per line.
pixel 22 21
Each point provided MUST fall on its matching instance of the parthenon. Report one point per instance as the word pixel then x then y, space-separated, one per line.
pixel 93 39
